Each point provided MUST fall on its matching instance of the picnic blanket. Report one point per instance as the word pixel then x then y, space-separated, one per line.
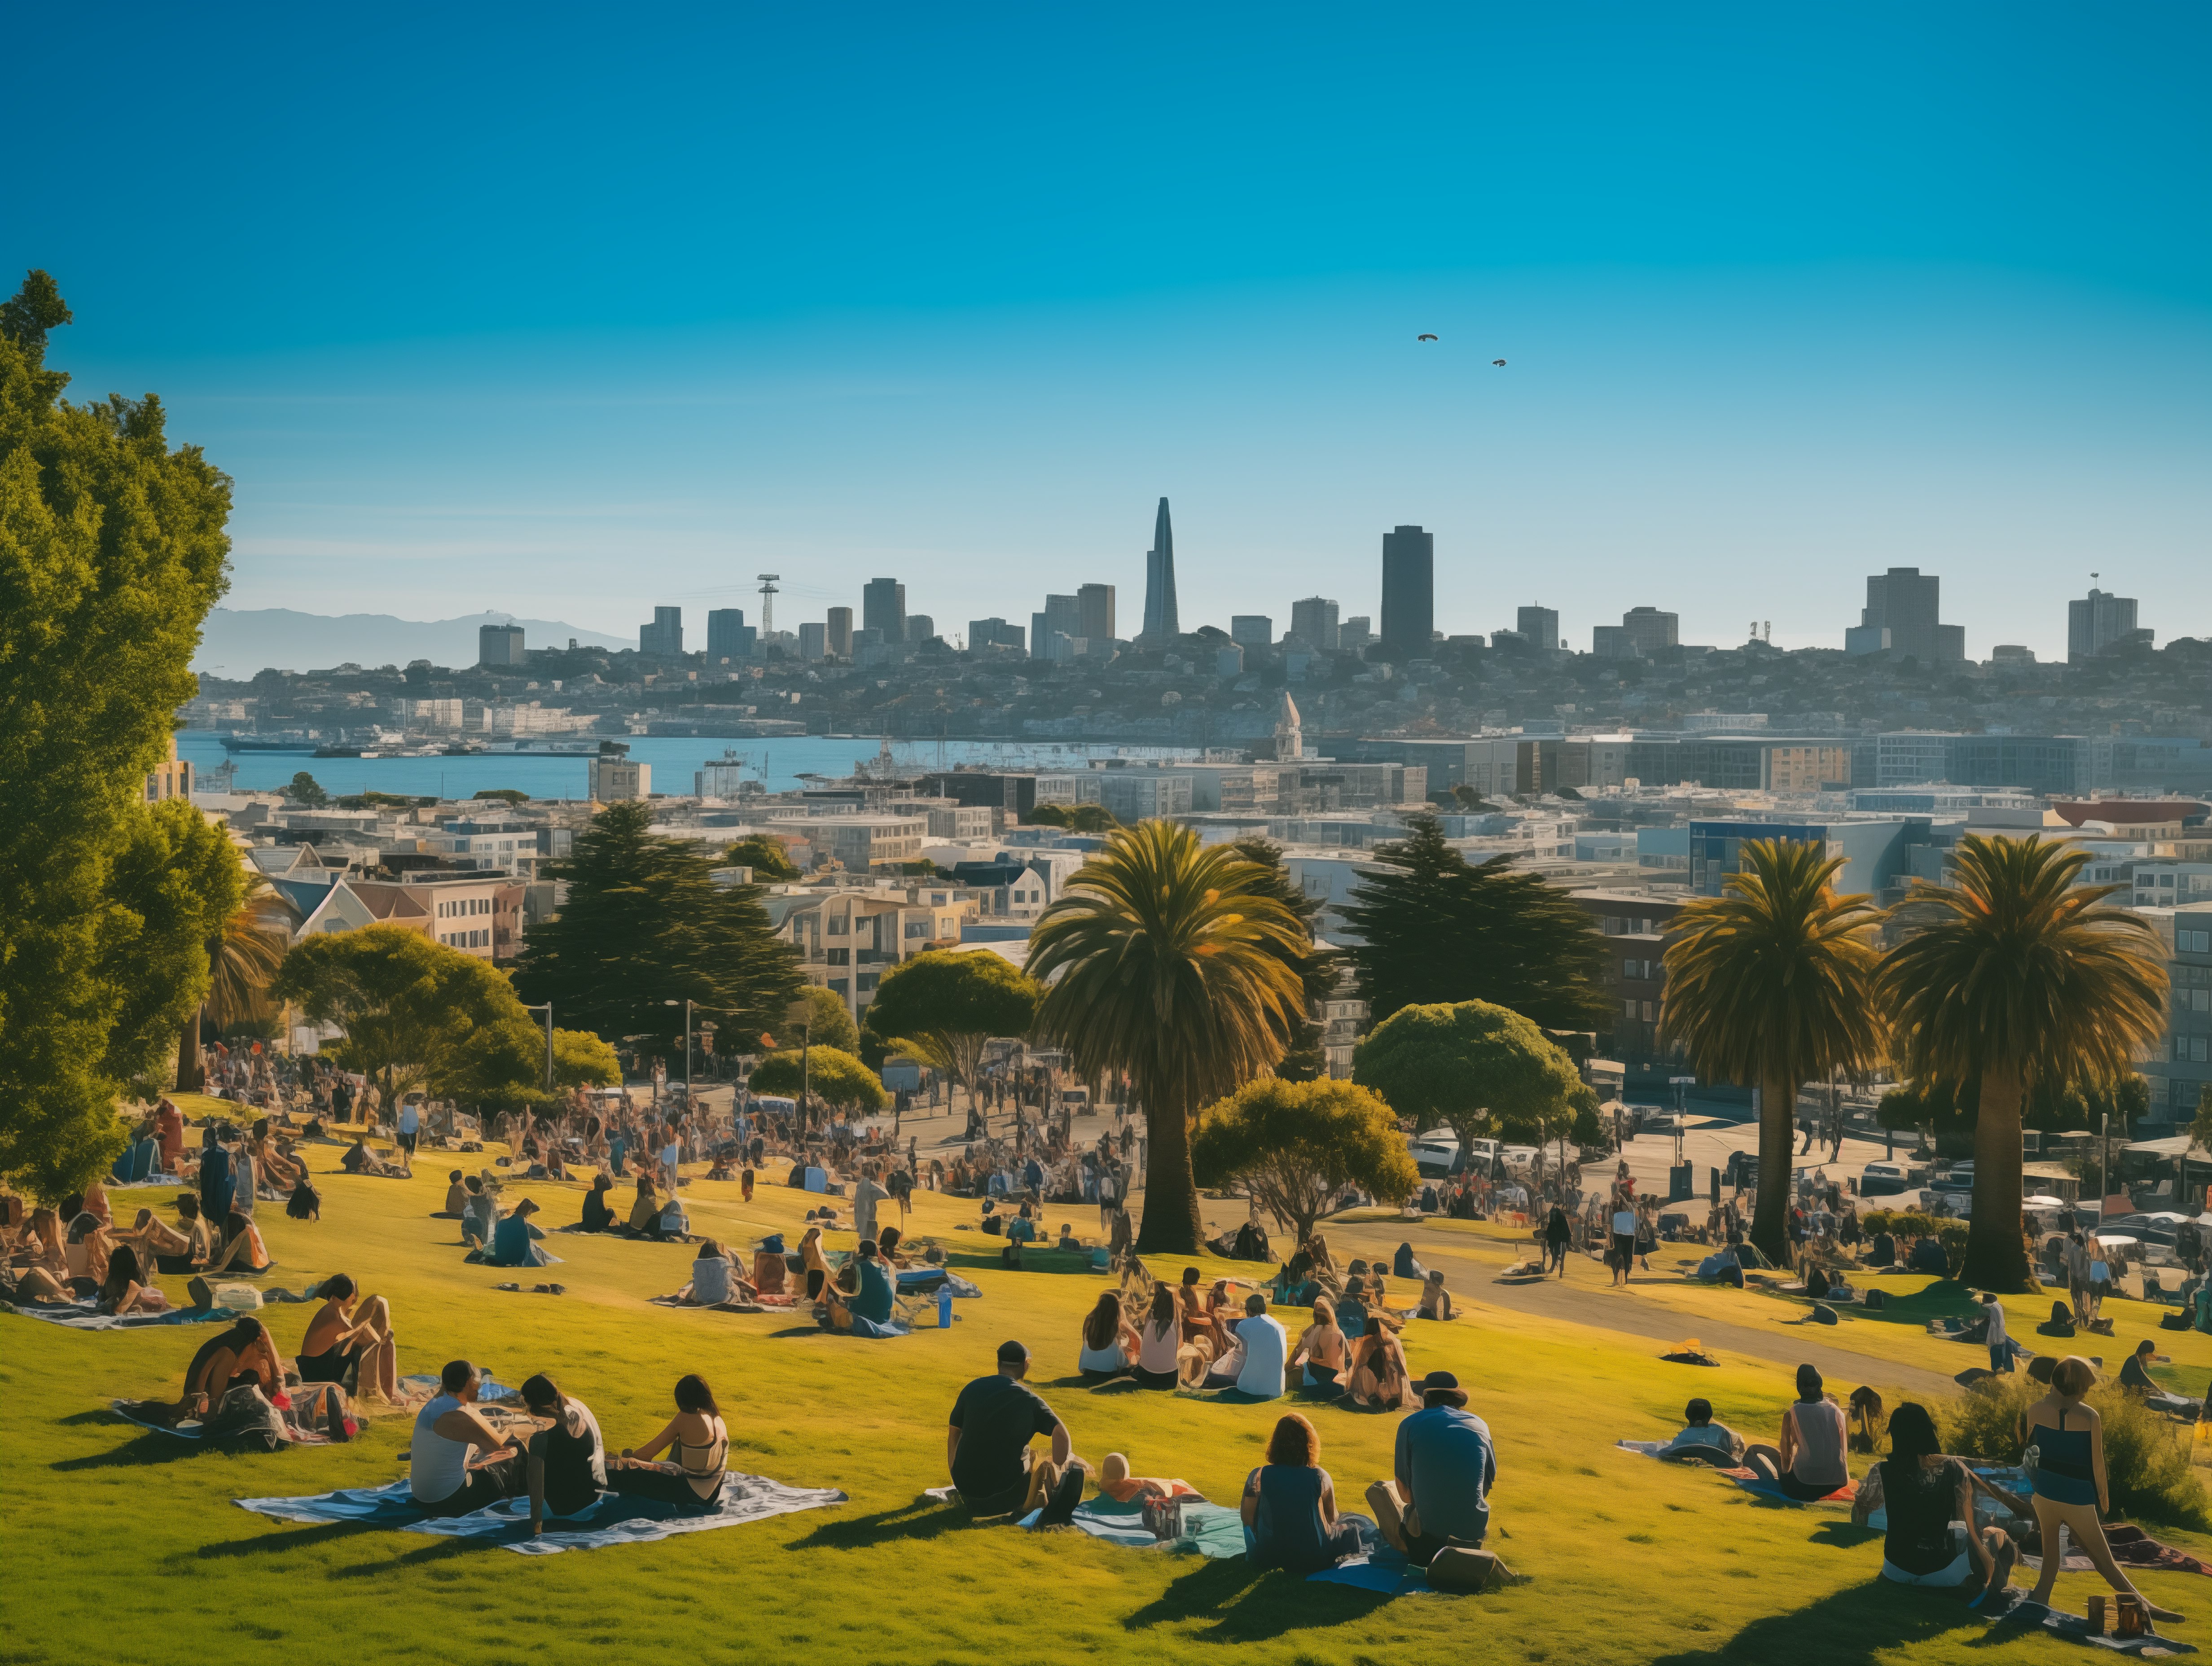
pixel 87 1316
pixel 1750 1480
pixel 2024 1615
pixel 611 1519
pixel 1209 1530
pixel 1379 1568
pixel 926 1281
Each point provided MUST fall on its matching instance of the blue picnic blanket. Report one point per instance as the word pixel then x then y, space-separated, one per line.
pixel 87 1316
pixel 1378 1568
pixel 928 1281
pixel 611 1519
pixel 1209 1530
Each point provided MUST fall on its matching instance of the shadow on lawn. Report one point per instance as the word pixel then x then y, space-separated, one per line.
pixel 151 1447
pixel 1865 1622
pixel 1252 1605
pixel 265 1544
pixel 924 1519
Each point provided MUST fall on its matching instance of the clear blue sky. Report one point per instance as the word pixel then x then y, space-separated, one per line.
pixel 571 311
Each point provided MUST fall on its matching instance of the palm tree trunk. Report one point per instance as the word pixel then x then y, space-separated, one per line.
pixel 191 1067
pixel 1996 1257
pixel 1171 1224
pixel 1769 1220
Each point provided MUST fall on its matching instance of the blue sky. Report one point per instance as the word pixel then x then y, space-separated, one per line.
pixel 573 312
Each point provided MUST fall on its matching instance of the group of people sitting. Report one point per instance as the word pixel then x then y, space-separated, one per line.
pixel 43 1261
pixel 1436 1495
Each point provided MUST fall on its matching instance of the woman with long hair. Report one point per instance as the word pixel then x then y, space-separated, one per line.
pixel 1322 1350
pixel 1926 1497
pixel 242 1355
pixel 2066 1462
pixel 85 1254
pixel 350 1342
pixel 645 1212
pixel 698 1445
pixel 1378 1377
pixel 1289 1507
pixel 1159 1339
pixel 567 1459
pixel 1110 1344
pixel 242 1248
pixel 815 1264
pixel 124 1291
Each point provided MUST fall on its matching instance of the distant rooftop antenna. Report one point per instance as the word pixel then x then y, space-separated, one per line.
pixel 768 601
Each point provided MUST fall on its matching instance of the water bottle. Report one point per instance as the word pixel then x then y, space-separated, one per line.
pixel 945 1305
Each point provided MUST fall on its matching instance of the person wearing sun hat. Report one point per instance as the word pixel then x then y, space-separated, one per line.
pixel 1445 1468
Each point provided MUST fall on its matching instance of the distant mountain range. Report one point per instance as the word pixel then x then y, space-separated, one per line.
pixel 238 642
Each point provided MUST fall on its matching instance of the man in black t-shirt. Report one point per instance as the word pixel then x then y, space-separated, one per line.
pixel 986 1446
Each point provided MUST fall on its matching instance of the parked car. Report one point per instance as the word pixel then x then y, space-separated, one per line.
pixel 1885 1179
pixel 1435 1159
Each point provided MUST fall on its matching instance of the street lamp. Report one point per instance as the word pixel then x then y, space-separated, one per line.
pixel 545 1007
pixel 800 1014
pixel 686 1004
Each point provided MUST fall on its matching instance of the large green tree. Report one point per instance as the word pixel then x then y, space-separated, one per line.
pixel 2013 976
pixel 112 552
pixel 951 1005
pixel 179 878
pixel 645 924
pixel 1431 929
pixel 1319 969
pixel 830 1074
pixel 1170 961
pixel 1295 1145
pixel 1480 1069
pixel 1771 983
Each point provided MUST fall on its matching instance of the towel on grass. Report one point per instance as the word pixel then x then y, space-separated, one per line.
pixel 1212 1530
pixel 611 1519
pixel 87 1316
pixel 1381 1569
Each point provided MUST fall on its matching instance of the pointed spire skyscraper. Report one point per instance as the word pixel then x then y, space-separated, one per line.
pixel 1163 624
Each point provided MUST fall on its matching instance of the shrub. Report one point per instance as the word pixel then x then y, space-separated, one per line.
pixel 1899 1223
pixel 2146 1462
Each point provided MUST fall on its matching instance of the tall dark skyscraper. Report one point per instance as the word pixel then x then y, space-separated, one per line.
pixel 1409 591
pixel 883 607
pixel 1163 623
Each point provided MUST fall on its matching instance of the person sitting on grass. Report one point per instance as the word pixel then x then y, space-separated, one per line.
pixel 1442 1472
pixel 1378 1374
pixel 123 1292
pixel 1261 1342
pixel 1929 1498
pixel 814 1264
pixel 457 1198
pixel 644 1220
pixel 697 1444
pixel 85 1252
pixel 987 1445
pixel 1288 1506
pixel 2135 1370
pixel 242 1356
pixel 2072 1489
pixel 350 1342
pixel 1436 1300
pixel 869 1312
pixel 1159 1341
pixel 1811 1462
pixel 480 1214
pixel 1110 1345
pixel 242 1249
pixel 1321 1350
pixel 1405 1265
pixel 1701 1440
pixel 511 1240
pixel 714 1279
pixel 1116 1481
pixel 359 1159
pixel 598 1214
pixel 443 1473
pixel 568 1460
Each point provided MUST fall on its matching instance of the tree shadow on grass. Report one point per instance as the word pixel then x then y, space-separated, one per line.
pixel 1852 1627
pixel 1253 1605
pixel 151 1447
pixel 925 1519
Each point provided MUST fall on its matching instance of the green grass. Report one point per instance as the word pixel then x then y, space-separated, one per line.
pixel 124 1547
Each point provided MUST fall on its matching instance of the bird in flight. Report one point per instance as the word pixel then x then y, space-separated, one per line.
pixel 1500 363
pixel 1425 339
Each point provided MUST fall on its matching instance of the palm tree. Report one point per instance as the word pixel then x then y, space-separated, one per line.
pixel 1773 983
pixel 1174 962
pixel 242 960
pixel 2010 977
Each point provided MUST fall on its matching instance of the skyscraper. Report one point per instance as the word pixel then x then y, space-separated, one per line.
pixel 1650 629
pixel 501 644
pixel 1409 591
pixel 1162 622
pixel 1313 622
pixel 2093 624
pixel 839 636
pixel 1094 606
pixel 665 635
pixel 728 636
pixel 920 628
pixel 1903 616
pixel 883 607
pixel 1540 625
pixel 813 640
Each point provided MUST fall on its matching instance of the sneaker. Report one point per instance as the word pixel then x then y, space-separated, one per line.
pixel 1060 1507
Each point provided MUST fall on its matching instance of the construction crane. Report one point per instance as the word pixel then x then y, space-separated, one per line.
pixel 768 602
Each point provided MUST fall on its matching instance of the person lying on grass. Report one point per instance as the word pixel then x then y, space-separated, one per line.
pixel 41 1262
pixel 242 1356
pixel 1288 1506
pixel 1320 1354
pixel 1116 1481
pixel 1929 1498
pixel 987 1445
pixel 697 1444
pixel 1702 1440
pixel 445 1474
pixel 567 1459
pixel 1110 1345
pixel 1810 1462
pixel 350 1343
pixel 1442 1472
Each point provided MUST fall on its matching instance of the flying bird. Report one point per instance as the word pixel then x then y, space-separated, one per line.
pixel 1425 339
pixel 1500 363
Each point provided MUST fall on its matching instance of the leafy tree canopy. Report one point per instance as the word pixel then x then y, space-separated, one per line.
pixel 1432 929
pixel 1294 1145
pixel 1075 817
pixel 1319 969
pixel 181 878
pixel 829 1024
pixel 505 794
pixel 580 1059
pixel 112 550
pixel 645 923
pixel 767 857
pixel 1473 1066
pixel 305 789
pixel 835 1077
pixel 952 1005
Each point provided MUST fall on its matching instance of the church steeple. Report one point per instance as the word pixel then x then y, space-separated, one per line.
pixel 1163 623
pixel 1289 732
